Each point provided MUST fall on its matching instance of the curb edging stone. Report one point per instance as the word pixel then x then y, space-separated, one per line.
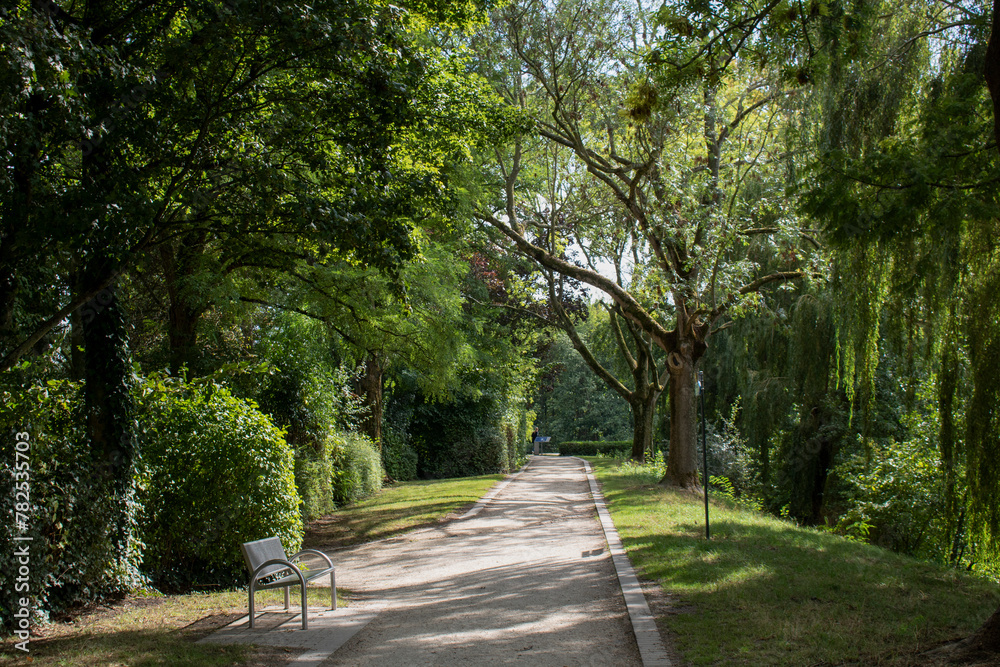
pixel 647 636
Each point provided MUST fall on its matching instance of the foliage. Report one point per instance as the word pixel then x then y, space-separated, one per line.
pixel 459 438
pixel 218 473
pixel 309 396
pixel 899 502
pixel 356 467
pixel 72 561
pixel 688 185
pixel 398 457
pixel 306 391
pixel 723 486
pixel 635 473
pixel 580 405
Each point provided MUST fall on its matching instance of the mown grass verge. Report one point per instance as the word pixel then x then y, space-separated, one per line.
pixel 158 629
pixel 764 591
pixel 397 509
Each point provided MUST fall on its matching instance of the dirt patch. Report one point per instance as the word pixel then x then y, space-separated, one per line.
pixel 270 656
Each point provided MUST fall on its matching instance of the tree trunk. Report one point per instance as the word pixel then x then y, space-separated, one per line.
pixel 643 409
pixel 184 311
pixel 105 519
pixel 107 390
pixel 371 391
pixel 682 460
pixel 182 336
pixel 947 386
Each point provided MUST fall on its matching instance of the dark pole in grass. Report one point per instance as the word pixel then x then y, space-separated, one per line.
pixel 704 449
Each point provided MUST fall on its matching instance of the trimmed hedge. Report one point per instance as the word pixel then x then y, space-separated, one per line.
pixel 620 448
pixel 218 473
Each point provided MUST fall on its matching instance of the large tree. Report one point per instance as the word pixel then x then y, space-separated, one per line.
pixel 696 176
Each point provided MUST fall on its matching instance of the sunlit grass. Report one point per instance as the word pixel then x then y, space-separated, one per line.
pixel 396 509
pixel 764 591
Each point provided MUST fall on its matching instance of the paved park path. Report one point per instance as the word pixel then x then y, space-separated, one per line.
pixel 524 578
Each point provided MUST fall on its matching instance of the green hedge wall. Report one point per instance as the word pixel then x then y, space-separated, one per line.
pixel 595 448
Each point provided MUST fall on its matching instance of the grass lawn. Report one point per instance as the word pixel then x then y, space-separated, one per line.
pixel 396 509
pixel 764 591
pixel 161 629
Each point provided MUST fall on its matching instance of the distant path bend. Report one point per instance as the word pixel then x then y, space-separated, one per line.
pixel 527 579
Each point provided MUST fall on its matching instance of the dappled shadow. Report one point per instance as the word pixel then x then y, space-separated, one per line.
pixel 136 648
pixel 501 615
pixel 528 579
pixel 333 531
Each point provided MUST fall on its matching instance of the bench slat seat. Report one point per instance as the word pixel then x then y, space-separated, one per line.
pixel 270 567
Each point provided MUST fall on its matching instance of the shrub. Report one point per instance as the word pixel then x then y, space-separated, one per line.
pixel 399 459
pixel 218 473
pixel 72 557
pixel 613 448
pixel 356 467
pixel 460 438
pixel 314 480
pixel 898 501
pixel 398 456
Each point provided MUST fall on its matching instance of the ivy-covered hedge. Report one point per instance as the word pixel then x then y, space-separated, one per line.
pixel 595 448
pixel 73 559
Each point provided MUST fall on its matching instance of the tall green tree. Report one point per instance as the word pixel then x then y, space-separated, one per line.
pixel 686 173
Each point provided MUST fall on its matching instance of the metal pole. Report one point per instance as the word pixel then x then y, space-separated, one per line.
pixel 704 451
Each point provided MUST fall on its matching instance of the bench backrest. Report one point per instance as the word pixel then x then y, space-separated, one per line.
pixel 261 551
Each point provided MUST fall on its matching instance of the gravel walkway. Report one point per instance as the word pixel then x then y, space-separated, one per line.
pixel 527 579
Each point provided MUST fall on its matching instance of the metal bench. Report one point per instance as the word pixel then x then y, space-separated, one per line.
pixel 271 568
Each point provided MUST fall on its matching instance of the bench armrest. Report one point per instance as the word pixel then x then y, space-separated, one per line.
pixel 276 561
pixel 322 555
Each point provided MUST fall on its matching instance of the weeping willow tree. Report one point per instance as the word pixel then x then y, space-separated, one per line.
pixel 906 185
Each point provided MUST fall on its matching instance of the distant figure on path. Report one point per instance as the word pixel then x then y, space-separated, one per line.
pixel 534 436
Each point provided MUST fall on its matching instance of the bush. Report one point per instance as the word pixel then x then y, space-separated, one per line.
pixel 356 467
pixel 398 456
pixel 314 480
pixel 612 448
pixel 219 473
pixel 898 501
pixel 459 439
pixel 72 556
pixel 399 459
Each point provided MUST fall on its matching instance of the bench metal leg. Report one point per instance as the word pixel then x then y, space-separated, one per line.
pixel 305 609
pixel 333 589
pixel 286 597
pixel 251 606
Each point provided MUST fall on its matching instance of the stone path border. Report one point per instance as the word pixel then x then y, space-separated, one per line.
pixel 647 636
